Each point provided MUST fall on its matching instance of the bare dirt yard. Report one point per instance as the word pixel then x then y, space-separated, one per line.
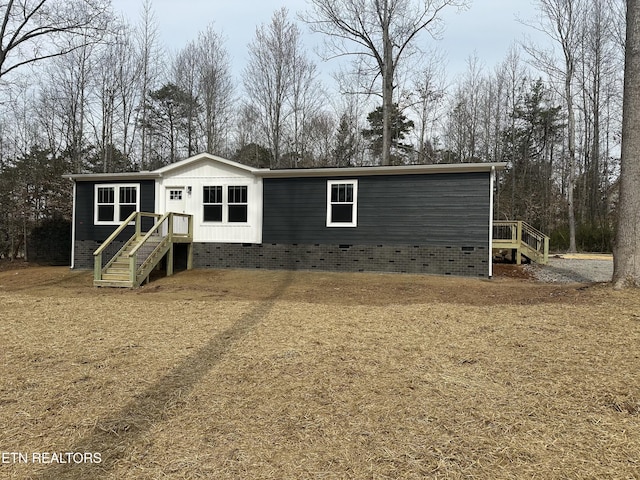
pixel 294 375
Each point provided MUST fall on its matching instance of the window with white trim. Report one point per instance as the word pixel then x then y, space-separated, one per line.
pixel 342 203
pixel 225 205
pixel 115 203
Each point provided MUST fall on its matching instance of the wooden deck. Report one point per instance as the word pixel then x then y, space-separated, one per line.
pixel 522 239
pixel 133 263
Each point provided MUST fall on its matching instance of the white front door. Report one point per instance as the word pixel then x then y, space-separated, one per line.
pixel 176 202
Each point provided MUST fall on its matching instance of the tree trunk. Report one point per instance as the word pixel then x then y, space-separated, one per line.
pixel 571 124
pixel 626 271
pixel 571 177
pixel 387 90
pixel 387 108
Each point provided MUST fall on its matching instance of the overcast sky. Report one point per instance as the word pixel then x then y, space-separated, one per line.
pixel 488 28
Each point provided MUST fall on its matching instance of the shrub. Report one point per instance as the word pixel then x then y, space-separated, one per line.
pixel 50 242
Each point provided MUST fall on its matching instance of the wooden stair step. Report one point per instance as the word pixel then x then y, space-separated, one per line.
pixel 117 271
pixel 112 283
pixel 116 276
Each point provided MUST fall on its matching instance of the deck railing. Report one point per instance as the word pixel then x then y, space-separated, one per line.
pixel 167 229
pixel 136 219
pixel 522 237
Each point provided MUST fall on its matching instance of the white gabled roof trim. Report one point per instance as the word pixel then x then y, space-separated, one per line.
pixel 206 156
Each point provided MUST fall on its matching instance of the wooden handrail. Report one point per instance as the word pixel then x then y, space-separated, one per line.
pixel 151 232
pixel 532 231
pixel 517 227
pixel 117 232
pixel 133 254
pixel 137 216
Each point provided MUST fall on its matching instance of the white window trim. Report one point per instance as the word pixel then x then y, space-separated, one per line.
pixel 354 216
pixel 225 204
pixel 116 200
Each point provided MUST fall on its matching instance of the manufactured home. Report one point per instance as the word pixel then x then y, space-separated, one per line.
pixel 431 219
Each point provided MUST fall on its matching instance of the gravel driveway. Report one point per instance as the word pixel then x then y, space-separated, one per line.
pixel 583 268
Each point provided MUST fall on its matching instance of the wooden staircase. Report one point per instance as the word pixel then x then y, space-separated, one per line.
pixel 522 239
pixel 142 252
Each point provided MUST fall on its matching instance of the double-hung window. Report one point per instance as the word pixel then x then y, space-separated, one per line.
pixel 342 203
pixel 114 203
pixel 225 204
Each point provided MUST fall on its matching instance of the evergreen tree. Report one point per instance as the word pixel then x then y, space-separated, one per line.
pixel 32 190
pixel 346 143
pixel 530 148
pixel 171 113
pixel 400 126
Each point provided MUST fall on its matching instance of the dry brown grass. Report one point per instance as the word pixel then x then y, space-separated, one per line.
pixel 287 375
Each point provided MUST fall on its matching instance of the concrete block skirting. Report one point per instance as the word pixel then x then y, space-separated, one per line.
pixel 84 253
pixel 420 259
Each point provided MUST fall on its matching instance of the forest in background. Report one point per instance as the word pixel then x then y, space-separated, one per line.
pixel 116 101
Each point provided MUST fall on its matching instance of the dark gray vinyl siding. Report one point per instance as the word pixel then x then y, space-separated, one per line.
pixel 85 192
pixel 438 209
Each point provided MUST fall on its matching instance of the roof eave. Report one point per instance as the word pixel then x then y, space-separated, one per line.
pixel 387 170
pixel 306 172
pixel 88 177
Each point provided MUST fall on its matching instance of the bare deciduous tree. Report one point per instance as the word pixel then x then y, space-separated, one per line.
pixel 304 99
pixel 149 53
pixel 382 31
pixel 185 73
pixel 560 20
pixel 277 77
pixel 598 80
pixel 34 30
pixel 127 70
pixel 215 89
pixel 428 94
pixel 268 73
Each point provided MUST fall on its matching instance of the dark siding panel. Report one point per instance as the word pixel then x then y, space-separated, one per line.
pixel 442 209
pixel 86 230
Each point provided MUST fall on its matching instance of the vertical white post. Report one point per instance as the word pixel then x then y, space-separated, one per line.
pixel 492 184
pixel 73 227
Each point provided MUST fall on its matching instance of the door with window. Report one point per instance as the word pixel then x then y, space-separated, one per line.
pixel 176 202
